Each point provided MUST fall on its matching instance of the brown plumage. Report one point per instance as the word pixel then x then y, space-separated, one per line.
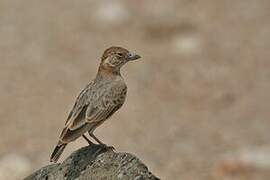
pixel 98 100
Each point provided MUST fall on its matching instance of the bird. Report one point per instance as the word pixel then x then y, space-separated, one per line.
pixel 98 101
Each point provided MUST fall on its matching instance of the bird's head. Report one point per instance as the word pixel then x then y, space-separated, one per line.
pixel 114 58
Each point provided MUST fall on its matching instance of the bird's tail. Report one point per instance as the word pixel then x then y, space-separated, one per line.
pixel 58 150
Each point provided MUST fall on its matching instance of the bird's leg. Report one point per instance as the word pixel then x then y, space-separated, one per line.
pixel 96 139
pixel 89 142
pixel 101 143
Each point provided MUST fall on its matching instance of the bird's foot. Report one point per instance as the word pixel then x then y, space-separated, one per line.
pixel 105 146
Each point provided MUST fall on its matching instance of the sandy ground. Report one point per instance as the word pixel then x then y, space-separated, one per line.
pixel 198 101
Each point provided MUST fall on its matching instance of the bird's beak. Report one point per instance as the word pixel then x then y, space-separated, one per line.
pixel 133 56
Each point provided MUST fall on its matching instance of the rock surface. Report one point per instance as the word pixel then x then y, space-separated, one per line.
pixel 95 162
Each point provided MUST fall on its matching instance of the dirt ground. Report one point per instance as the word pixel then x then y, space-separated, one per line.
pixel 198 101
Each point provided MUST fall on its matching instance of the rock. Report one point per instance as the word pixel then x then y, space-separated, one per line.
pixel 95 162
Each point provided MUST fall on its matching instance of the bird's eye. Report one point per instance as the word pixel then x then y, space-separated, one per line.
pixel 120 54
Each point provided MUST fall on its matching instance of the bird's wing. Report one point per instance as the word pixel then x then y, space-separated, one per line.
pixel 101 109
pixel 76 115
pixel 98 114
pixel 86 121
pixel 87 115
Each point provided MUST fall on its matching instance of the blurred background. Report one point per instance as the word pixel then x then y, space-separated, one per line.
pixel 198 101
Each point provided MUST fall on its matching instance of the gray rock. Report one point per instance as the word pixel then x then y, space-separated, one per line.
pixel 95 162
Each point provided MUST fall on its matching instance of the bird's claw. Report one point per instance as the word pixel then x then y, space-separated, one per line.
pixel 107 147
